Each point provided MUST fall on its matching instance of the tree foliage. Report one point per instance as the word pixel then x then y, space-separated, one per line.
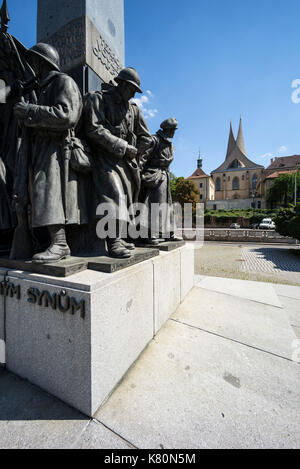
pixel 185 192
pixel 288 222
pixel 282 191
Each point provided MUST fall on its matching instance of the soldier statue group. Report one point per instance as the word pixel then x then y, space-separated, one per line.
pixel 67 154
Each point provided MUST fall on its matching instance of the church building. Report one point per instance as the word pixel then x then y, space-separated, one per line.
pixel 238 181
pixel 204 182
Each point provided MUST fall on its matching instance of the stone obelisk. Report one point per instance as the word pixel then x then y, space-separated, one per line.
pixel 89 35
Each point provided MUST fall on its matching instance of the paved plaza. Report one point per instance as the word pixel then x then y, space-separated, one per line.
pixel 222 373
pixel 275 263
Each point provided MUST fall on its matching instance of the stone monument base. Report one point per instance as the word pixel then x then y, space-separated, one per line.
pixel 73 265
pixel 166 246
pixel 76 337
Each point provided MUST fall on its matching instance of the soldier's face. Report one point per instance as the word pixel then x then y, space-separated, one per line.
pixel 35 63
pixel 170 133
pixel 127 91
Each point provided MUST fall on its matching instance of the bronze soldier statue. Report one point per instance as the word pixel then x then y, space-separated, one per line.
pixel 117 132
pixel 51 122
pixel 156 182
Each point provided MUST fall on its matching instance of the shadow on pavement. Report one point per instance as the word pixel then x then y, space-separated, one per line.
pixel 283 259
pixel 20 400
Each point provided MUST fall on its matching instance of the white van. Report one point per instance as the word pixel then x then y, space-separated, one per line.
pixel 267 224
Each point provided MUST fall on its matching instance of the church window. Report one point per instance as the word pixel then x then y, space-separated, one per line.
pixel 254 181
pixel 236 184
pixel 201 185
pixel 235 164
pixel 218 184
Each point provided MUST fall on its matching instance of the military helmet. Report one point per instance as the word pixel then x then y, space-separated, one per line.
pixel 48 53
pixel 169 124
pixel 130 75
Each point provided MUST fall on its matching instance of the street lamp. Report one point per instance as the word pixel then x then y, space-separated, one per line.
pixel 253 195
pixel 296 174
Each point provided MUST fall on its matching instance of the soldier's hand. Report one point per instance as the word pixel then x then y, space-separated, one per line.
pixel 131 152
pixel 20 110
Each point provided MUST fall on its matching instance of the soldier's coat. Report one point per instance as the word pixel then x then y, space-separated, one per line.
pixel 58 110
pixel 110 125
pixel 156 182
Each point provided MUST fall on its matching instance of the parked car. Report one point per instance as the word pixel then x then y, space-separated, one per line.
pixel 267 224
pixel 255 226
pixel 235 226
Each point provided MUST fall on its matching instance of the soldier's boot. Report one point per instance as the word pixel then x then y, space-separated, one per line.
pixel 152 241
pixel 117 249
pixel 58 250
pixel 129 246
pixel 173 238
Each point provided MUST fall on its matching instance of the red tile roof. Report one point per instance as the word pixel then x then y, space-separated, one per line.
pixel 279 173
pixel 199 173
pixel 285 162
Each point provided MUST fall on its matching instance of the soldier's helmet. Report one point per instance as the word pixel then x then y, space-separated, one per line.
pixel 130 75
pixel 169 124
pixel 48 53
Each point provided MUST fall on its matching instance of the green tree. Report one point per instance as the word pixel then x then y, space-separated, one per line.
pixel 288 222
pixel 282 191
pixel 186 192
pixel 173 183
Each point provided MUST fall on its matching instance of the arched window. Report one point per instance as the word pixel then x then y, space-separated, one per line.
pixel 236 184
pixel 235 164
pixel 218 184
pixel 254 181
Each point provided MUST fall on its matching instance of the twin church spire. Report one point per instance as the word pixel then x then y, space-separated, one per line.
pixel 239 142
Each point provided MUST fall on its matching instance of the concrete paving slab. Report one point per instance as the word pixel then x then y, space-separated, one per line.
pixel 288 291
pixel 32 419
pixel 292 309
pixel 262 326
pixel 97 436
pixel 297 331
pixel 241 288
pixel 191 389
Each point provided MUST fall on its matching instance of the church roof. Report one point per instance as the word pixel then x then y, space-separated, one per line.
pixel 199 173
pixel 231 142
pixel 236 158
pixel 240 139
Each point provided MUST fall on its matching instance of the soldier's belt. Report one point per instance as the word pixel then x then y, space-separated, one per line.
pixel 57 136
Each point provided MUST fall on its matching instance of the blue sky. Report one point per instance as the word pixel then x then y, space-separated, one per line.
pixel 205 62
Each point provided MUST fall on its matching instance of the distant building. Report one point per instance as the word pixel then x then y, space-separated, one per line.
pixel 238 181
pixel 204 182
pixel 278 167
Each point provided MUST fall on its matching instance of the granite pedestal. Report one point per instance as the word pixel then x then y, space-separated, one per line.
pixel 2 325
pixel 89 36
pixel 73 265
pixel 77 337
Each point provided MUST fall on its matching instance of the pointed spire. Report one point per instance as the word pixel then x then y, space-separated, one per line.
pixel 240 139
pixel 200 161
pixel 4 15
pixel 231 142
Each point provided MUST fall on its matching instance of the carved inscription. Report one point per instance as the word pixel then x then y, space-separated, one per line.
pixel 106 56
pixel 9 290
pixel 57 301
pixel 61 302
